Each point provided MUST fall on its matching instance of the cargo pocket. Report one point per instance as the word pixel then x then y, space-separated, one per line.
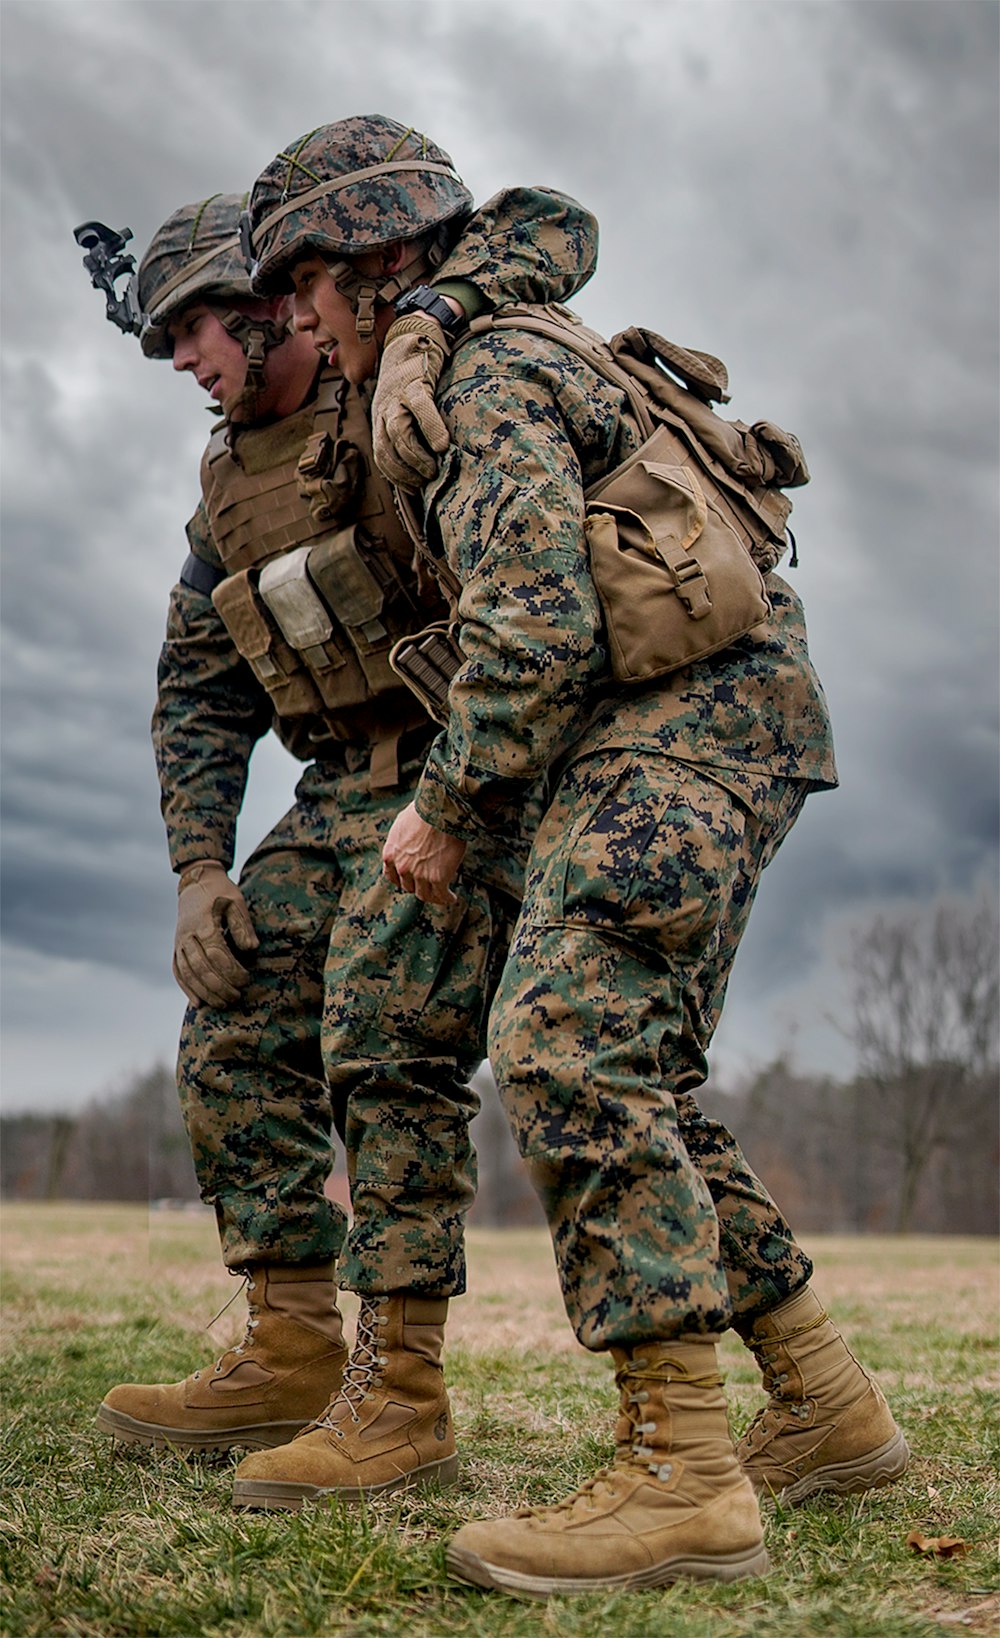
pixel 438 996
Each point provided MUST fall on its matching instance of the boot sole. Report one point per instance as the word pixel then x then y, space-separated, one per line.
pixel 258 1436
pixel 267 1494
pixel 870 1472
pixel 466 1566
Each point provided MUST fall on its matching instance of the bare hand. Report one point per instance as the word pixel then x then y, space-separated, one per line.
pixel 421 860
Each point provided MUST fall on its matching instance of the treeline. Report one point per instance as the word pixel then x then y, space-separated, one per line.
pixel 911 1144
pixel 837 1157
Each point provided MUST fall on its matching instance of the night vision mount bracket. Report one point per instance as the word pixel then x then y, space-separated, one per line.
pixel 106 262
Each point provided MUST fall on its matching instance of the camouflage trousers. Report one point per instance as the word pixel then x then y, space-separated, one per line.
pixel 261 1086
pixel 639 887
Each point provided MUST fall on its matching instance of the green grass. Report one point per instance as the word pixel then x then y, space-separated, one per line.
pixel 99 1542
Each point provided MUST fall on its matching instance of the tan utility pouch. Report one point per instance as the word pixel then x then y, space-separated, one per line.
pixel 348 587
pixel 674 581
pixel 427 662
pixel 323 591
pixel 273 661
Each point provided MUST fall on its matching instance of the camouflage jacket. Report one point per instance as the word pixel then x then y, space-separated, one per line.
pixel 532 427
pixel 524 244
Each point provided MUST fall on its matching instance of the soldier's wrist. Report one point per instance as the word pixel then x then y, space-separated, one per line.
pixel 464 296
pixel 195 870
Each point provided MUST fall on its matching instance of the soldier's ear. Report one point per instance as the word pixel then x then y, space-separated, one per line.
pixel 394 257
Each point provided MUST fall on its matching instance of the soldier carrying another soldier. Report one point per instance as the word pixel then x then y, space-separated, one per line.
pixel 607 544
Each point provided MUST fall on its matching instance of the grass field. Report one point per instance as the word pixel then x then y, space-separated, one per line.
pixel 106 1543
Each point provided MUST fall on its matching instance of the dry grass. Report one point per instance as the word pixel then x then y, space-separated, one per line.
pixel 138 1546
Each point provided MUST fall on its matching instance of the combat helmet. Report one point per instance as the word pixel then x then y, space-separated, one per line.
pixel 194 256
pixel 356 185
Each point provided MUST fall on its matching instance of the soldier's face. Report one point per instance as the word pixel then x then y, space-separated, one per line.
pixel 324 312
pixel 204 346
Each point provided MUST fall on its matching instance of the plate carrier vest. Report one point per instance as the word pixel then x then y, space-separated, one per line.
pixel 313 602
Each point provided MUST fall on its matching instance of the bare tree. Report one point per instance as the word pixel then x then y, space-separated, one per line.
pixel 924 1021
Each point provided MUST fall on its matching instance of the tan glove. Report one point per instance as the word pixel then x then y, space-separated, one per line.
pixel 212 918
pixel 407 431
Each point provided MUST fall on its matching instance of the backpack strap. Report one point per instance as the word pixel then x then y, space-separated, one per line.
pixel 562 326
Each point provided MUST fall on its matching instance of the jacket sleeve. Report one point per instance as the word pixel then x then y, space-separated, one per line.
pixel 507 512
pixel 210 713
pixel 525 245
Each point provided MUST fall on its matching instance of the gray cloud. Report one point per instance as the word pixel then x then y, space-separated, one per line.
pixel 787 186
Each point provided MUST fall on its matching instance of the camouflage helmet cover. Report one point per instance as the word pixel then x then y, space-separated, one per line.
pixel 194 256
pixel 356 185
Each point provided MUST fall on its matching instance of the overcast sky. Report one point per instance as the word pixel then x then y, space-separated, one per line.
pixel 808 190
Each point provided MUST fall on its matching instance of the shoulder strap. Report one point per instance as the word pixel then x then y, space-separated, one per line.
pixel 559 325
pixel 439 568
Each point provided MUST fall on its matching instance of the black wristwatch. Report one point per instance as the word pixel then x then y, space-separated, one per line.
pixel 422 299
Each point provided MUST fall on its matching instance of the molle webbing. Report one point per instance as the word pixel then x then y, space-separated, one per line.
pixel 318 576
pixel 253 503
pixel 270 498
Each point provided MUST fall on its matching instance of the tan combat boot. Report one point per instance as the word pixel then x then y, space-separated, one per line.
pixel 674 1504
pixel 259 1393
pixel 388 1427
pixel 826 1425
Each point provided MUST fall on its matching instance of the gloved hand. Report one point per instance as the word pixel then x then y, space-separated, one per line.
pixel 211 917
pixel 407 431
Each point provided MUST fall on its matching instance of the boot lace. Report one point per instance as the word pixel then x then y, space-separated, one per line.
pixel 630 1379
pixel 587 1499
pixel 781 1408
pixel 364 1368
pixel 252 1320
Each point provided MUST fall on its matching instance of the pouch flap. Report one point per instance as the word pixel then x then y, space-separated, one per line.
pixel 236 603
pixel 702 373
pixel 661 508
pixel 287 590
pixel 347 584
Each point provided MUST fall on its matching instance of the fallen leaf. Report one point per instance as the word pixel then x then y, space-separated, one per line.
pixel 937 1546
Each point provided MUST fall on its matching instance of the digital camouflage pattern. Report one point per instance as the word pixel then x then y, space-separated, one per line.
pixel 528 421
pixel 408 991
pixel 304 200
pixel 194 255
pixel 640 885
pixel 259 1100
pixel 545 240
pixel 671 797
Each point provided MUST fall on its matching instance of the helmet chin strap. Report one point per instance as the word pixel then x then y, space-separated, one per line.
pixel 365 294
pixel 257 337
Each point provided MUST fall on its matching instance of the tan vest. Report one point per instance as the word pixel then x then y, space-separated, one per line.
pixel 319 576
